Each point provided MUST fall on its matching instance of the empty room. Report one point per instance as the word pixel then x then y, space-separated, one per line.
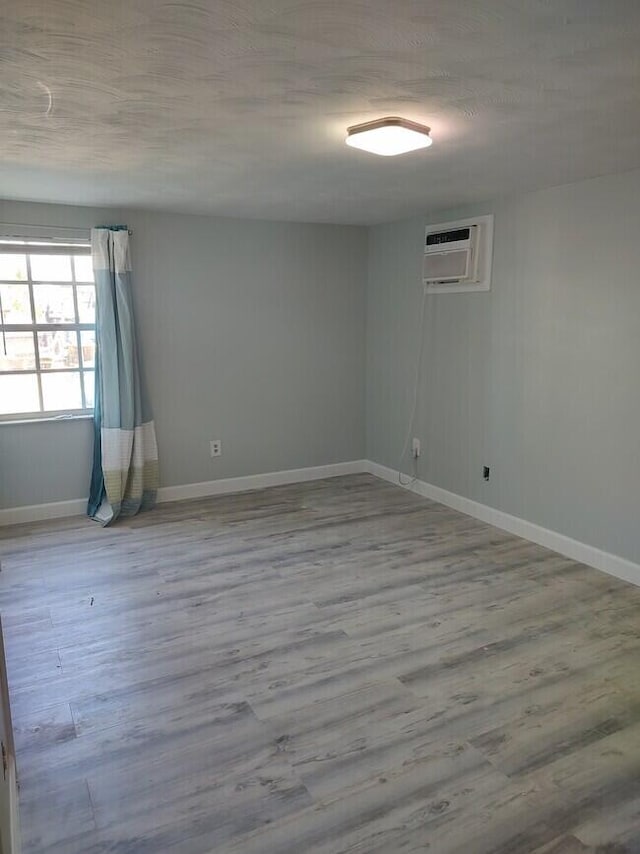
pixel 319 419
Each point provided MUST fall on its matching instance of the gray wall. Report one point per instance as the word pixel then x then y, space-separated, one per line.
pixel 251 332
pixel 539 378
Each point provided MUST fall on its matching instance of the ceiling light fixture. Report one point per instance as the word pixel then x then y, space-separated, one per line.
pixel 389 136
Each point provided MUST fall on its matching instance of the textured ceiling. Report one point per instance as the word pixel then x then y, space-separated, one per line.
pixel 239 107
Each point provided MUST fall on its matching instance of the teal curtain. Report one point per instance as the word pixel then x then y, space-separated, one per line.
pixel 124 479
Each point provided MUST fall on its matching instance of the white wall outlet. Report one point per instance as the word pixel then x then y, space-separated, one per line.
pixel 215 446
pixel 415 448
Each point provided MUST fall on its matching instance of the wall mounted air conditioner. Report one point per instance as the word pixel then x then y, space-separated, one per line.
pixel 457 256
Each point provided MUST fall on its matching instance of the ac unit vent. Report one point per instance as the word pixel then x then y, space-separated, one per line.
pixel 457 256
pixel 439 238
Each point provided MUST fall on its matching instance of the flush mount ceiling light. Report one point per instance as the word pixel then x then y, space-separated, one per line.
pixel 389 136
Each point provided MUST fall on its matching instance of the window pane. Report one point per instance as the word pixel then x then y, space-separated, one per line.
pixel 16 306
pixel 51 268
pixel 58 350
pixel 87 303
pixel 18 393
pixel 17 352
pixel 84 268
pixel 13 267
pixel 54 303
pixel 61 391
pixel 89 388
pixel 88 341
pixel 65 356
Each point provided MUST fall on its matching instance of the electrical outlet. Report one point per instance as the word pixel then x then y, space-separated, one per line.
pixel 215 445
pixel 486 472
pixel 415 448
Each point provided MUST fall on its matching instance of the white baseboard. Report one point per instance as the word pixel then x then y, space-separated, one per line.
pixel 38 512
pixel 229 485
pixel 78 506
pixel 574 549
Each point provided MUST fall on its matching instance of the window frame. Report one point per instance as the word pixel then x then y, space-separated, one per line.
pixel 29 247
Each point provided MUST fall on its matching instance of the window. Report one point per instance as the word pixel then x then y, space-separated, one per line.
pixel 47 330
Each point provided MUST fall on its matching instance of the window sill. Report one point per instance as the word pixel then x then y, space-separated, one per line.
pixel 54 419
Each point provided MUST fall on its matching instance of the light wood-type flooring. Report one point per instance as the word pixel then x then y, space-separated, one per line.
pixel 339 666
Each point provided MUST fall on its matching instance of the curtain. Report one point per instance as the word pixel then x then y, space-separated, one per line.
pixel 124 479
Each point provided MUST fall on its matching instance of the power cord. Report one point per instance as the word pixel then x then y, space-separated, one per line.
pixel 414 407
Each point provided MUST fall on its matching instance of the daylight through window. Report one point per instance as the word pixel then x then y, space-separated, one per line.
pixel 47 330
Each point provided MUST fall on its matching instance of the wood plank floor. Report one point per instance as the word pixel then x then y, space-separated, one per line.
pixel 323 668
